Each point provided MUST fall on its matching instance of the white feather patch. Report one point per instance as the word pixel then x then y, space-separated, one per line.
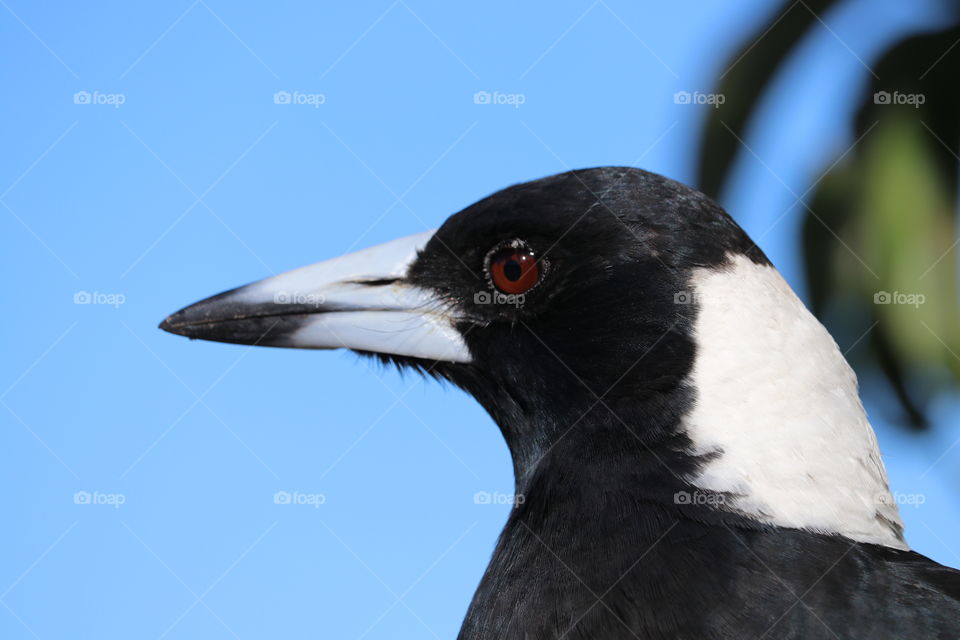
pixel 778 403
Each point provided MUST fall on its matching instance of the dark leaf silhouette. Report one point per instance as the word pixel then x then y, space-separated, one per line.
pixel 743 82
pixel 880 235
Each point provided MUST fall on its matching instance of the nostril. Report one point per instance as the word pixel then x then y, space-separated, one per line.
pixel 375 282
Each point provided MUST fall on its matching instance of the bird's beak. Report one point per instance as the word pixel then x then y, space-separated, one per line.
pixel 357 301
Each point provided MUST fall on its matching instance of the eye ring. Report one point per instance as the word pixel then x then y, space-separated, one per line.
pixel 513 268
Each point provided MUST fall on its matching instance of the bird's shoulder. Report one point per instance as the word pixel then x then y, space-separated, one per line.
pixel 799 584
pixel 683 578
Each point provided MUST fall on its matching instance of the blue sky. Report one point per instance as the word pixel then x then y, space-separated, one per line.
pixel 148 164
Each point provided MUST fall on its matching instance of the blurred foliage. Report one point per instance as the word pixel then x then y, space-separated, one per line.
pixel 880 230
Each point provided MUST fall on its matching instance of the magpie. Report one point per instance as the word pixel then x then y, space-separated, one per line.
pixel 689 442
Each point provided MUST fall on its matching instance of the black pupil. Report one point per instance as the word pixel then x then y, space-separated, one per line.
pixel 512 270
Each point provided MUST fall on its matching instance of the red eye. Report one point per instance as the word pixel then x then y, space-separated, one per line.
pixel 514 270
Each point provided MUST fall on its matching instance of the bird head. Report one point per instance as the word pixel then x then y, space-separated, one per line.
pixel 592 313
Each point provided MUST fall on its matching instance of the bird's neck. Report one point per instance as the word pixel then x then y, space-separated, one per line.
pixel 598 521
pixel 634 446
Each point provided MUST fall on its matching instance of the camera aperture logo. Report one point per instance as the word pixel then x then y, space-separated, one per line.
pixel 299 97
pixel 299 498
pixel 499 98
pixel 99 98
pixel 96 297
pixel 99 498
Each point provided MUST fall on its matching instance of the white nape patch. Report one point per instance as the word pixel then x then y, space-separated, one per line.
pixel 778 403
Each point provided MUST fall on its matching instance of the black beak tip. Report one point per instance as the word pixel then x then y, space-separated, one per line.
pixel 170 324
pixel 194 320
pixel 213 320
